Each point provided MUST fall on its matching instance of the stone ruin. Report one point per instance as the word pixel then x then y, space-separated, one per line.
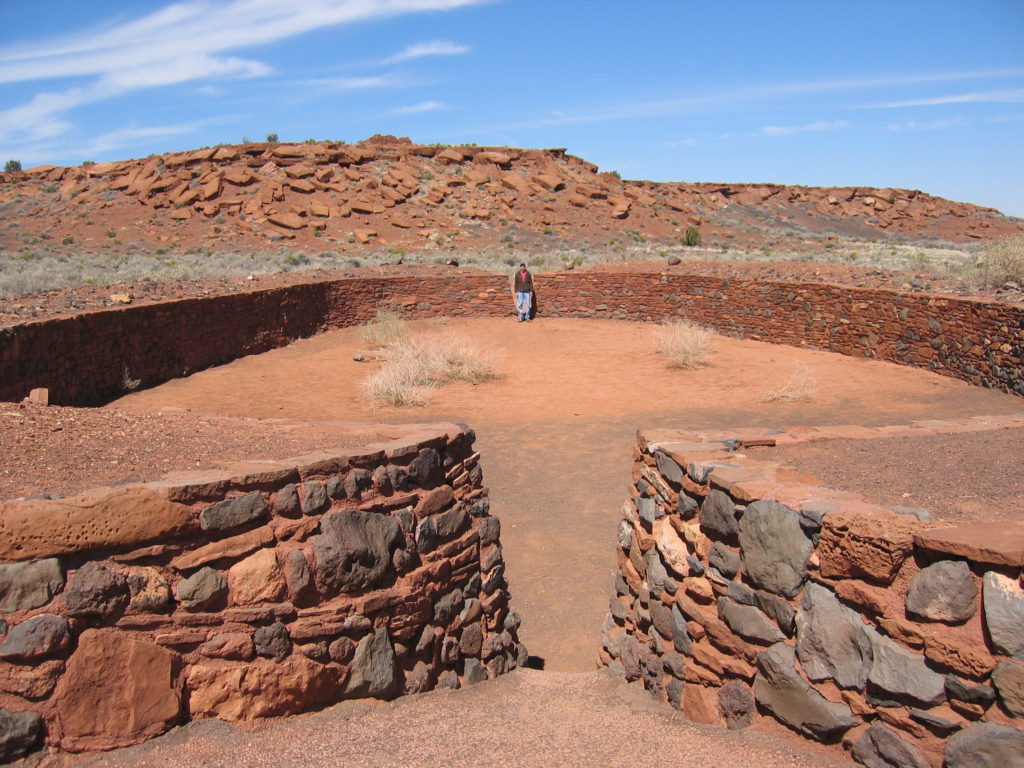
pixel 266 589
pixel 284 586
pixel 740 587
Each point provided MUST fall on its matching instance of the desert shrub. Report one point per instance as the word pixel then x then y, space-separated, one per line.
pixel 1000 263
pixel 685 343
pixel 691 236
pixel 271 138
pixel 385 329
pixel 456 358
pixel 801 388
pixel 419 363
pixel 395 383
pixel 12 165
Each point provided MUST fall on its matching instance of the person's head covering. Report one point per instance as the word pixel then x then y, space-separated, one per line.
pixel 522 263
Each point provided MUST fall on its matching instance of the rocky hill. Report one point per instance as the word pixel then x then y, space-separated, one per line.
pixel 390 193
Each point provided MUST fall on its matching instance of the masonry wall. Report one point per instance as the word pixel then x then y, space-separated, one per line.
pixel 266 589
pixel 741 590
pixel 86 359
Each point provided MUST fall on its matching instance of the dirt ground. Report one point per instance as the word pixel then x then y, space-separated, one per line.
pixel 959 478
pixel 526 719
pixel 556 431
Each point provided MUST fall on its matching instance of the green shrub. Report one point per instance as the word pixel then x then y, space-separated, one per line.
pixel 272 138
pixel 692 236
pixel 12 165
pixel 69 240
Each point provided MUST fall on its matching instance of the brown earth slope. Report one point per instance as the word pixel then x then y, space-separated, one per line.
pixel 388 192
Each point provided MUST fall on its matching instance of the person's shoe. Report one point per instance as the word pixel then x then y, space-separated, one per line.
pixel 521 318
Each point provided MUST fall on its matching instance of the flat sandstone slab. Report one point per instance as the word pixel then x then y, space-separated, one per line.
pixel 999 543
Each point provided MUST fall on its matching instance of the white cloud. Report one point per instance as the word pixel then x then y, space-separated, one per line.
pixel 352 83
pixel 789 130
pixel 431 48
pixel 40 117
pixel 197 27
pixel 747 97
pixel 994 97
pixel 127 137
pixel 424 106
pixel 182 42
pixel 928 125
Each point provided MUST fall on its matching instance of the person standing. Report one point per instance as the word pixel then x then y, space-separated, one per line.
pixel 522 289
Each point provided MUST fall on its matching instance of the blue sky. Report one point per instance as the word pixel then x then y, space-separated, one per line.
pixel 922 94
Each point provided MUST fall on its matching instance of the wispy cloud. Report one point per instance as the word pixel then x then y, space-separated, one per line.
pixel 352 83
pixel 423 106
pixel 749 96
pixel 42 116
pixel 789 130
pixel 200 27
pixel 121 139
pixel 431 48
pixel 127 137
pixel 179 43
pixel 993 97
pixel 928 125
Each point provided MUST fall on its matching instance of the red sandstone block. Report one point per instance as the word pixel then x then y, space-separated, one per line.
pixel 1001 544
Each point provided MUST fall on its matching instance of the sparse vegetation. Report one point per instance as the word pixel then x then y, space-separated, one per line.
pixel 801 388
pixel 386 329
pixel 129 384
pixel 686 344
pixel 419 363
pixel 12 165
pixel 1000 263
pixel 691 237
pixel 271 138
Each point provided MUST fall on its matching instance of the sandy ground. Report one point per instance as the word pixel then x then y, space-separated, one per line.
pixel 527 719
pixel 556 431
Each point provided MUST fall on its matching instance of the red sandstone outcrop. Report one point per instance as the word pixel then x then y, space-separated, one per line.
pixel 386 190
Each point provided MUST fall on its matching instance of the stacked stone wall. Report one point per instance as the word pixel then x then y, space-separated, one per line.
pixel 88 358
pixel 265 589
pixel 743 589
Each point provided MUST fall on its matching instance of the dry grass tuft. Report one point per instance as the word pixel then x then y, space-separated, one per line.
pixel 1000 263
pixel 386 329
pixel 685 343
pixel 419 363
pixel 801 388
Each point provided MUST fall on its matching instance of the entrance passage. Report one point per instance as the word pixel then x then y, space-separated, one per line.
pixel 556 431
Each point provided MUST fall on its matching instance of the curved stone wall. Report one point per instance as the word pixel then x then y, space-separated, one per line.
pixel 86 358
pixel 266 589
pixel 742 589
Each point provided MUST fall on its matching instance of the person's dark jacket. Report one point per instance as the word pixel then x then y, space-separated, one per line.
pixel 523 283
